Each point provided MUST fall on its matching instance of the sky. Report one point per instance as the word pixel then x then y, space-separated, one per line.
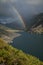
pixel 26 8
pixel 29 5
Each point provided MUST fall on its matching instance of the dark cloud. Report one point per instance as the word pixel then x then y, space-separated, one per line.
pixel 23 6
pixel 26 8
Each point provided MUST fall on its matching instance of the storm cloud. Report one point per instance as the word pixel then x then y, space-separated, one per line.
pixel 26 8
pixel 23 6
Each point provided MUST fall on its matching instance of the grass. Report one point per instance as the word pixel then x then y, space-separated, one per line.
pixel 13 56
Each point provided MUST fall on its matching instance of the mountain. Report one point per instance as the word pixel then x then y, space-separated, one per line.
pixel 37 24
pixel 38 27
pixel 8 34
pixel 38 20
pixel 14 25
pixel 13 56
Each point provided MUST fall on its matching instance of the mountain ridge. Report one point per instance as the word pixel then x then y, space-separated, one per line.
pixel 37 25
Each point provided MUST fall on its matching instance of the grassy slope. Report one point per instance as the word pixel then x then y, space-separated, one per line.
pixel 12 56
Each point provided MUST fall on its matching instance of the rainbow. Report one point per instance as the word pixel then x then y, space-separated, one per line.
pixel 21 20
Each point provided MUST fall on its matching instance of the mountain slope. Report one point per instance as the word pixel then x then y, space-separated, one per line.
pixel 37 24
pixel 14 25
pixel 38 27
pixel 12 56
pixel 38 20
pixel 8 34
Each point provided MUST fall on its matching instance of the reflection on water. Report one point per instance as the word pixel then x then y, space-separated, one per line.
pixel 30 43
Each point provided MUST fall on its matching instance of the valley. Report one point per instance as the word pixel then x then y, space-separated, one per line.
pixel 21 32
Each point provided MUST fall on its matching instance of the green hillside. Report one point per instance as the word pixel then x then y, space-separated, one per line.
pixel 12 56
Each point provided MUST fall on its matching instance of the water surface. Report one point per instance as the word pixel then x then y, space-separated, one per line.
pixel 30 43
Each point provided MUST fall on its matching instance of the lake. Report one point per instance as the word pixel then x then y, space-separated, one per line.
pixel 30 43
